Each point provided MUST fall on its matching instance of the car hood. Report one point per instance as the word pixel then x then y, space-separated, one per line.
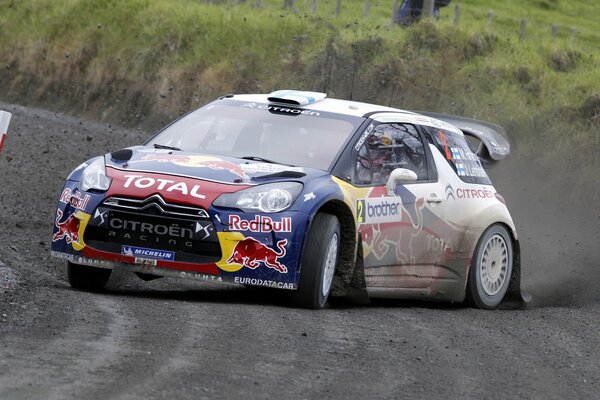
pixel 206 166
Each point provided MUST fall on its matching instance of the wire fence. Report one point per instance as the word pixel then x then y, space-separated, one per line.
pixel 455 14
pixel 429 10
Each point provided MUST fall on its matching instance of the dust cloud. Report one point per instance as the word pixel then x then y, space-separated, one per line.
pixel 558 227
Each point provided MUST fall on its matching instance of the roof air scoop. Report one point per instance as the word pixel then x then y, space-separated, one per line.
pixel 295 97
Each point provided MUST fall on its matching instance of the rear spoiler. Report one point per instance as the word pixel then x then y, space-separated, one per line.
pixel 4 121
pixel 493 141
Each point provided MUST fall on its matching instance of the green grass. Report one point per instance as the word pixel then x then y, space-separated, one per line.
pixel 141 60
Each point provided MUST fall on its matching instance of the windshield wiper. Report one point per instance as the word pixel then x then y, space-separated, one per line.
pixel 257 158
pixel 165 147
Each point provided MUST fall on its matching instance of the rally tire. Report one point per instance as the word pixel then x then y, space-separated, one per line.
pixel 319 261
pixel 491 268
pixel 87 278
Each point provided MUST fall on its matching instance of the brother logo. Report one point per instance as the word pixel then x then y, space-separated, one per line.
pixel 379 209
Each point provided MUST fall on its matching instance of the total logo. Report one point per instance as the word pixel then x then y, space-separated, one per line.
pixel 260 224
pixel 379 210
pixel 168 185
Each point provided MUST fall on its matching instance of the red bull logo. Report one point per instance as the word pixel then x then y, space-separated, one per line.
pixel 225 165
pixel 67 229
pixel 260 224
pixel 199 162
pixel 251 253
pixel 74 199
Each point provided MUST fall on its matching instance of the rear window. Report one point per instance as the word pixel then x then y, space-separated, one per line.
pixel 458 154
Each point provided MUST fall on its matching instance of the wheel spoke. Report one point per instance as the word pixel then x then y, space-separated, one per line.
pixel 494 264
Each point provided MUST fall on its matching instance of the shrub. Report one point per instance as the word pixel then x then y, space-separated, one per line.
pixel 564 60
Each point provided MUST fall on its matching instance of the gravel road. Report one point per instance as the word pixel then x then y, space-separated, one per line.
pixel 173 339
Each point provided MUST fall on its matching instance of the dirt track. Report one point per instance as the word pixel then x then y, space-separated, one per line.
pixel 172 339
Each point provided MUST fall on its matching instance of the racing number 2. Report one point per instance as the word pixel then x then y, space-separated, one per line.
pixel 360 208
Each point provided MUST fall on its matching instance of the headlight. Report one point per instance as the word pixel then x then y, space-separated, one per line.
pixel 94 176
pixel 272 197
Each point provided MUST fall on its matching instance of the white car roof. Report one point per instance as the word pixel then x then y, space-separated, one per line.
pixel 357 109
pixel 347 107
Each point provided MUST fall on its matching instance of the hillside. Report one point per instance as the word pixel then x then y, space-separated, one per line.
pixel 141 62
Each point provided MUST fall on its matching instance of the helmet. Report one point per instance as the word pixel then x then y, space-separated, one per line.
pixel 384 143
pixel 383 135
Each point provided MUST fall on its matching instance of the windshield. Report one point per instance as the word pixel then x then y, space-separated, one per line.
pixel 260 131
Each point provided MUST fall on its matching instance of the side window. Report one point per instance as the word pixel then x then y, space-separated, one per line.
pixel 390 146
pixel 458 153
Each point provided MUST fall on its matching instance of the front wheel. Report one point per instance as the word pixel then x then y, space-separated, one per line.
pixel 87 278
pixel 318 262
pixel 491 268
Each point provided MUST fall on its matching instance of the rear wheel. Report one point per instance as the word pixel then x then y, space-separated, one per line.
pixel 87 278
pixel 491 268
pixel 318 262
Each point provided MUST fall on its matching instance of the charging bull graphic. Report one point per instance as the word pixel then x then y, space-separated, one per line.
pixel 250 253
pixel 67 229
pixel 382 236
pixel 213 163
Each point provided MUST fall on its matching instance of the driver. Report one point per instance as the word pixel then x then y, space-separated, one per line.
pixel 388 147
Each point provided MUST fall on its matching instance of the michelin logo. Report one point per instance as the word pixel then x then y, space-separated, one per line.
pixel 379 210
pixel 147 253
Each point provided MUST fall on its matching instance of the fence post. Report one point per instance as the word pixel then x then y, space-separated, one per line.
pixel 523 28
pixel 490 18
pixel 395 12
pixel 428 8
pixel 456 15
pixel 367 7
pixel 338 7
pixel 288 3
pixel 573 33
pixel 313 7
pixel 554 31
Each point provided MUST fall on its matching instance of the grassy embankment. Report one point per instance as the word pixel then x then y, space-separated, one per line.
pixel 142 61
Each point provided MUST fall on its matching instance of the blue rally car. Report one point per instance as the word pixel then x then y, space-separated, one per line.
pixel 296 191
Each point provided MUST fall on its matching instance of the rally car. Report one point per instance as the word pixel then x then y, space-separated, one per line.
pixel 297 191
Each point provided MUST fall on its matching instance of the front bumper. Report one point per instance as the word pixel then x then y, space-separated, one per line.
pixel 244 248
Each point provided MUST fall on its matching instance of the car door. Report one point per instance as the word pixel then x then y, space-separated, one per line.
pixel 402 232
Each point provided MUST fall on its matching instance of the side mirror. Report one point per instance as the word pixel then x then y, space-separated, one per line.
pixel 399 175
pixel 4 121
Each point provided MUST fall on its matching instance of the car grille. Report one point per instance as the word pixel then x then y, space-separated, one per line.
pixel 154 205
pixel 152 223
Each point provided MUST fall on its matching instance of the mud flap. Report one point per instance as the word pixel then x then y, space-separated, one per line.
pixel 357 289
pixel 515 297
pixel 4 121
